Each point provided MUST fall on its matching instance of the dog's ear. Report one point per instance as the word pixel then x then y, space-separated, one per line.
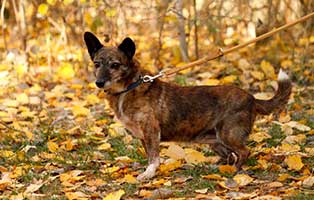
pixel 92 43
pixel 128 47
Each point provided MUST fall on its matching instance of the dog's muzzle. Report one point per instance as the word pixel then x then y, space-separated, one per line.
pixel 100 83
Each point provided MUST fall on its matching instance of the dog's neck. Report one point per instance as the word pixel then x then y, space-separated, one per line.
pixel 114 94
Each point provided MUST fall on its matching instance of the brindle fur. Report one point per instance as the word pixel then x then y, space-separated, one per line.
pixel 221 116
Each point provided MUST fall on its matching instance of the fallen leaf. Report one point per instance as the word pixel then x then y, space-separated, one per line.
pixel 243 179
pixel 114 195
pixel 175 152
pixel 299 126
pixel 194 157
pixel 213 177
pixel 268 69
pixel 257 75
pixel 259 136
pixel 274 184
pixel 308 182
pixel 285 147
pixel 202 191
pixel 52 146
pixel 227 169
pixel 104 146
pixel 168 167
pixel 294 162
pixel 34 187
pixel 128 179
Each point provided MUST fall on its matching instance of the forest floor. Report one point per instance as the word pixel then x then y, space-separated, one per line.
pixel 59 140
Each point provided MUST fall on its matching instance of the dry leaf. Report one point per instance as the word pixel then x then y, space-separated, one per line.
pixel 52 146
pixel 114 195
pixel 308 182
pixel 289 148
pixel 104 146
pixel 243 179
pixel 259 136
pixel 227 169
pixel 168 167
pixel 294 162
pixel 194 157
pixel 268 69
pixel 213 177
pixel 299 126
pixel 274 184
pixel 175 152
pixel 202 191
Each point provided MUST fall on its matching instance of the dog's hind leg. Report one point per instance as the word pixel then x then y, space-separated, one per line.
pixel 233 133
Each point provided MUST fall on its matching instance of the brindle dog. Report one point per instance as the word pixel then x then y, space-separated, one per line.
pixel 221 116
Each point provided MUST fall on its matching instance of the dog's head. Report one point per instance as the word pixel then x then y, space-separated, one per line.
pixel 113 65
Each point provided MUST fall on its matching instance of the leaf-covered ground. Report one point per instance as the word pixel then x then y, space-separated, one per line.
pixel 58 138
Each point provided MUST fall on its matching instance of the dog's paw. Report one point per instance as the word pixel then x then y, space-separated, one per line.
pixel 149 172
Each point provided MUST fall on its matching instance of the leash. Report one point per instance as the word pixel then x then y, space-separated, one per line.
pixel 221 52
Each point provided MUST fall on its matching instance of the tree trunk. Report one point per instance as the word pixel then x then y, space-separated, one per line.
pixel 181 29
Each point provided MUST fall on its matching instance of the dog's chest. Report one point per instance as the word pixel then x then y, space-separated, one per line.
pixel 125 119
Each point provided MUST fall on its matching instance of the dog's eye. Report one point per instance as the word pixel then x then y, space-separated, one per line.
pixel 97 64
pixel 115 65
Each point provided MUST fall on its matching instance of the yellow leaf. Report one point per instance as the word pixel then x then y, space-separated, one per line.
pixel 259 136
pixel 268 69
pixel 194 157
pixel 227 169
pixel 283 177
pixel 294 162
pixel 263 163
pixel 80 111
pixel 128 179
pixel 51 2
pixel 29 134
pixel 289 148
pixel 110 170
pixel 257 75
pixel 274 184
pixel 229 79
pixel 175 152
pixel 21 70
pixel 67 2
pixel 76 195
pixel 213 177
pixel 92 99
pixel 170 166
pixel 65 71
pixel 243 179
pixel 22 98
pixel 43 9
pixel 211 81
pixel 286 64
pixel 104 146
pixel 52 146
pixel 6 153
pixel 115 195
pixel 69 145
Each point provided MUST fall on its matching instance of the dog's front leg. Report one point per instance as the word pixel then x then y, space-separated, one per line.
pixel 151 145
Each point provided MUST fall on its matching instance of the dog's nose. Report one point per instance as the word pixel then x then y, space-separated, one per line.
pixel 100 83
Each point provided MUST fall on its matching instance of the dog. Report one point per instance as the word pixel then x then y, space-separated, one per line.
pixel 221 116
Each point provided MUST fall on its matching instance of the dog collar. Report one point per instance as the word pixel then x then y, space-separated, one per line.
pixel 132 86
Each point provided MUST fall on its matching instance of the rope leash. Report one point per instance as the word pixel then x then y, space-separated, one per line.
pixel 222 52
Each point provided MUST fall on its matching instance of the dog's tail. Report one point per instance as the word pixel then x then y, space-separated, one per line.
pixel 281 97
